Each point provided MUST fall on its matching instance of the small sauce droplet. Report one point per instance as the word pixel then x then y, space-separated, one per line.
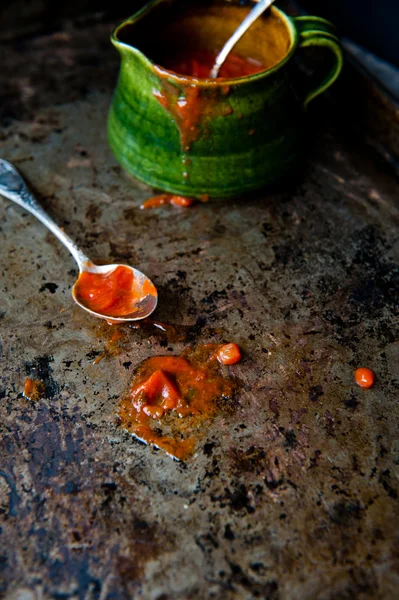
pixel 229 354
pixel 364 377
pixel 167 199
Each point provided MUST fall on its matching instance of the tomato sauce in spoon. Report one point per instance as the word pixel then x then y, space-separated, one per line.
pixel 113 294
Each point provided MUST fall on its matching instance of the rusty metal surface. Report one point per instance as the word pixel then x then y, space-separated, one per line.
pixel 294 493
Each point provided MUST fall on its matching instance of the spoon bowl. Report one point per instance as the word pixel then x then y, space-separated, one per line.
pixel 138 291
pixel 144 304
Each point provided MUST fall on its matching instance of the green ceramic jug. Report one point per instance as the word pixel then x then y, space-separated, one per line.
pixel 222 137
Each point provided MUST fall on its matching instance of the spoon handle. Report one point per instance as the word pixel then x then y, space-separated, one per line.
pixel 13 187
pixel 251 17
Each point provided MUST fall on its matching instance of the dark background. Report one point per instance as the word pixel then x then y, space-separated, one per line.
pixel 44 16
pixel 372 24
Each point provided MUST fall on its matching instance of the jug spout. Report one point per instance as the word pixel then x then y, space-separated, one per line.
pixel 122 39
pixel 131 34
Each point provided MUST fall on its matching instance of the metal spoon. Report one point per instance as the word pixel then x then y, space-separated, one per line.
pixel 251 17
pixel 13 187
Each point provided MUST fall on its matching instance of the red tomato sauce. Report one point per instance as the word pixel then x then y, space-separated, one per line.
pixel 199 63
pixel 167 199
pixel 186 109
pixel 364 377
pixel 194 107
pixel 191 106
pixel 229 354
pixel 180 392
pixel 112 294
pixel 33 389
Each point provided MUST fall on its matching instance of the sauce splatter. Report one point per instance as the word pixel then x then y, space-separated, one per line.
pixel 197 63
pixel 364 377
pixel 112 294
pixel 167 199
pixel 178 392
pixel 33 389
pixel 111 347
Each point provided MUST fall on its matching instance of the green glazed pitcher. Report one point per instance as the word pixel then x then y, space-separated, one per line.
pixel 212 137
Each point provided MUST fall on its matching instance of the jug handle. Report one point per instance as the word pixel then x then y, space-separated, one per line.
pixel 315 31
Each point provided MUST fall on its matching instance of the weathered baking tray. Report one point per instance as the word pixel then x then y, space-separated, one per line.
pixel 293 492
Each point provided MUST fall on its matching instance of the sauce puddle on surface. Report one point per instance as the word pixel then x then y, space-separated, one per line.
pixel 179 394
pixel 112 294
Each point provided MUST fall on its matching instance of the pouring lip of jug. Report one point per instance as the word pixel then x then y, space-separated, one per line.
pixel 164 73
